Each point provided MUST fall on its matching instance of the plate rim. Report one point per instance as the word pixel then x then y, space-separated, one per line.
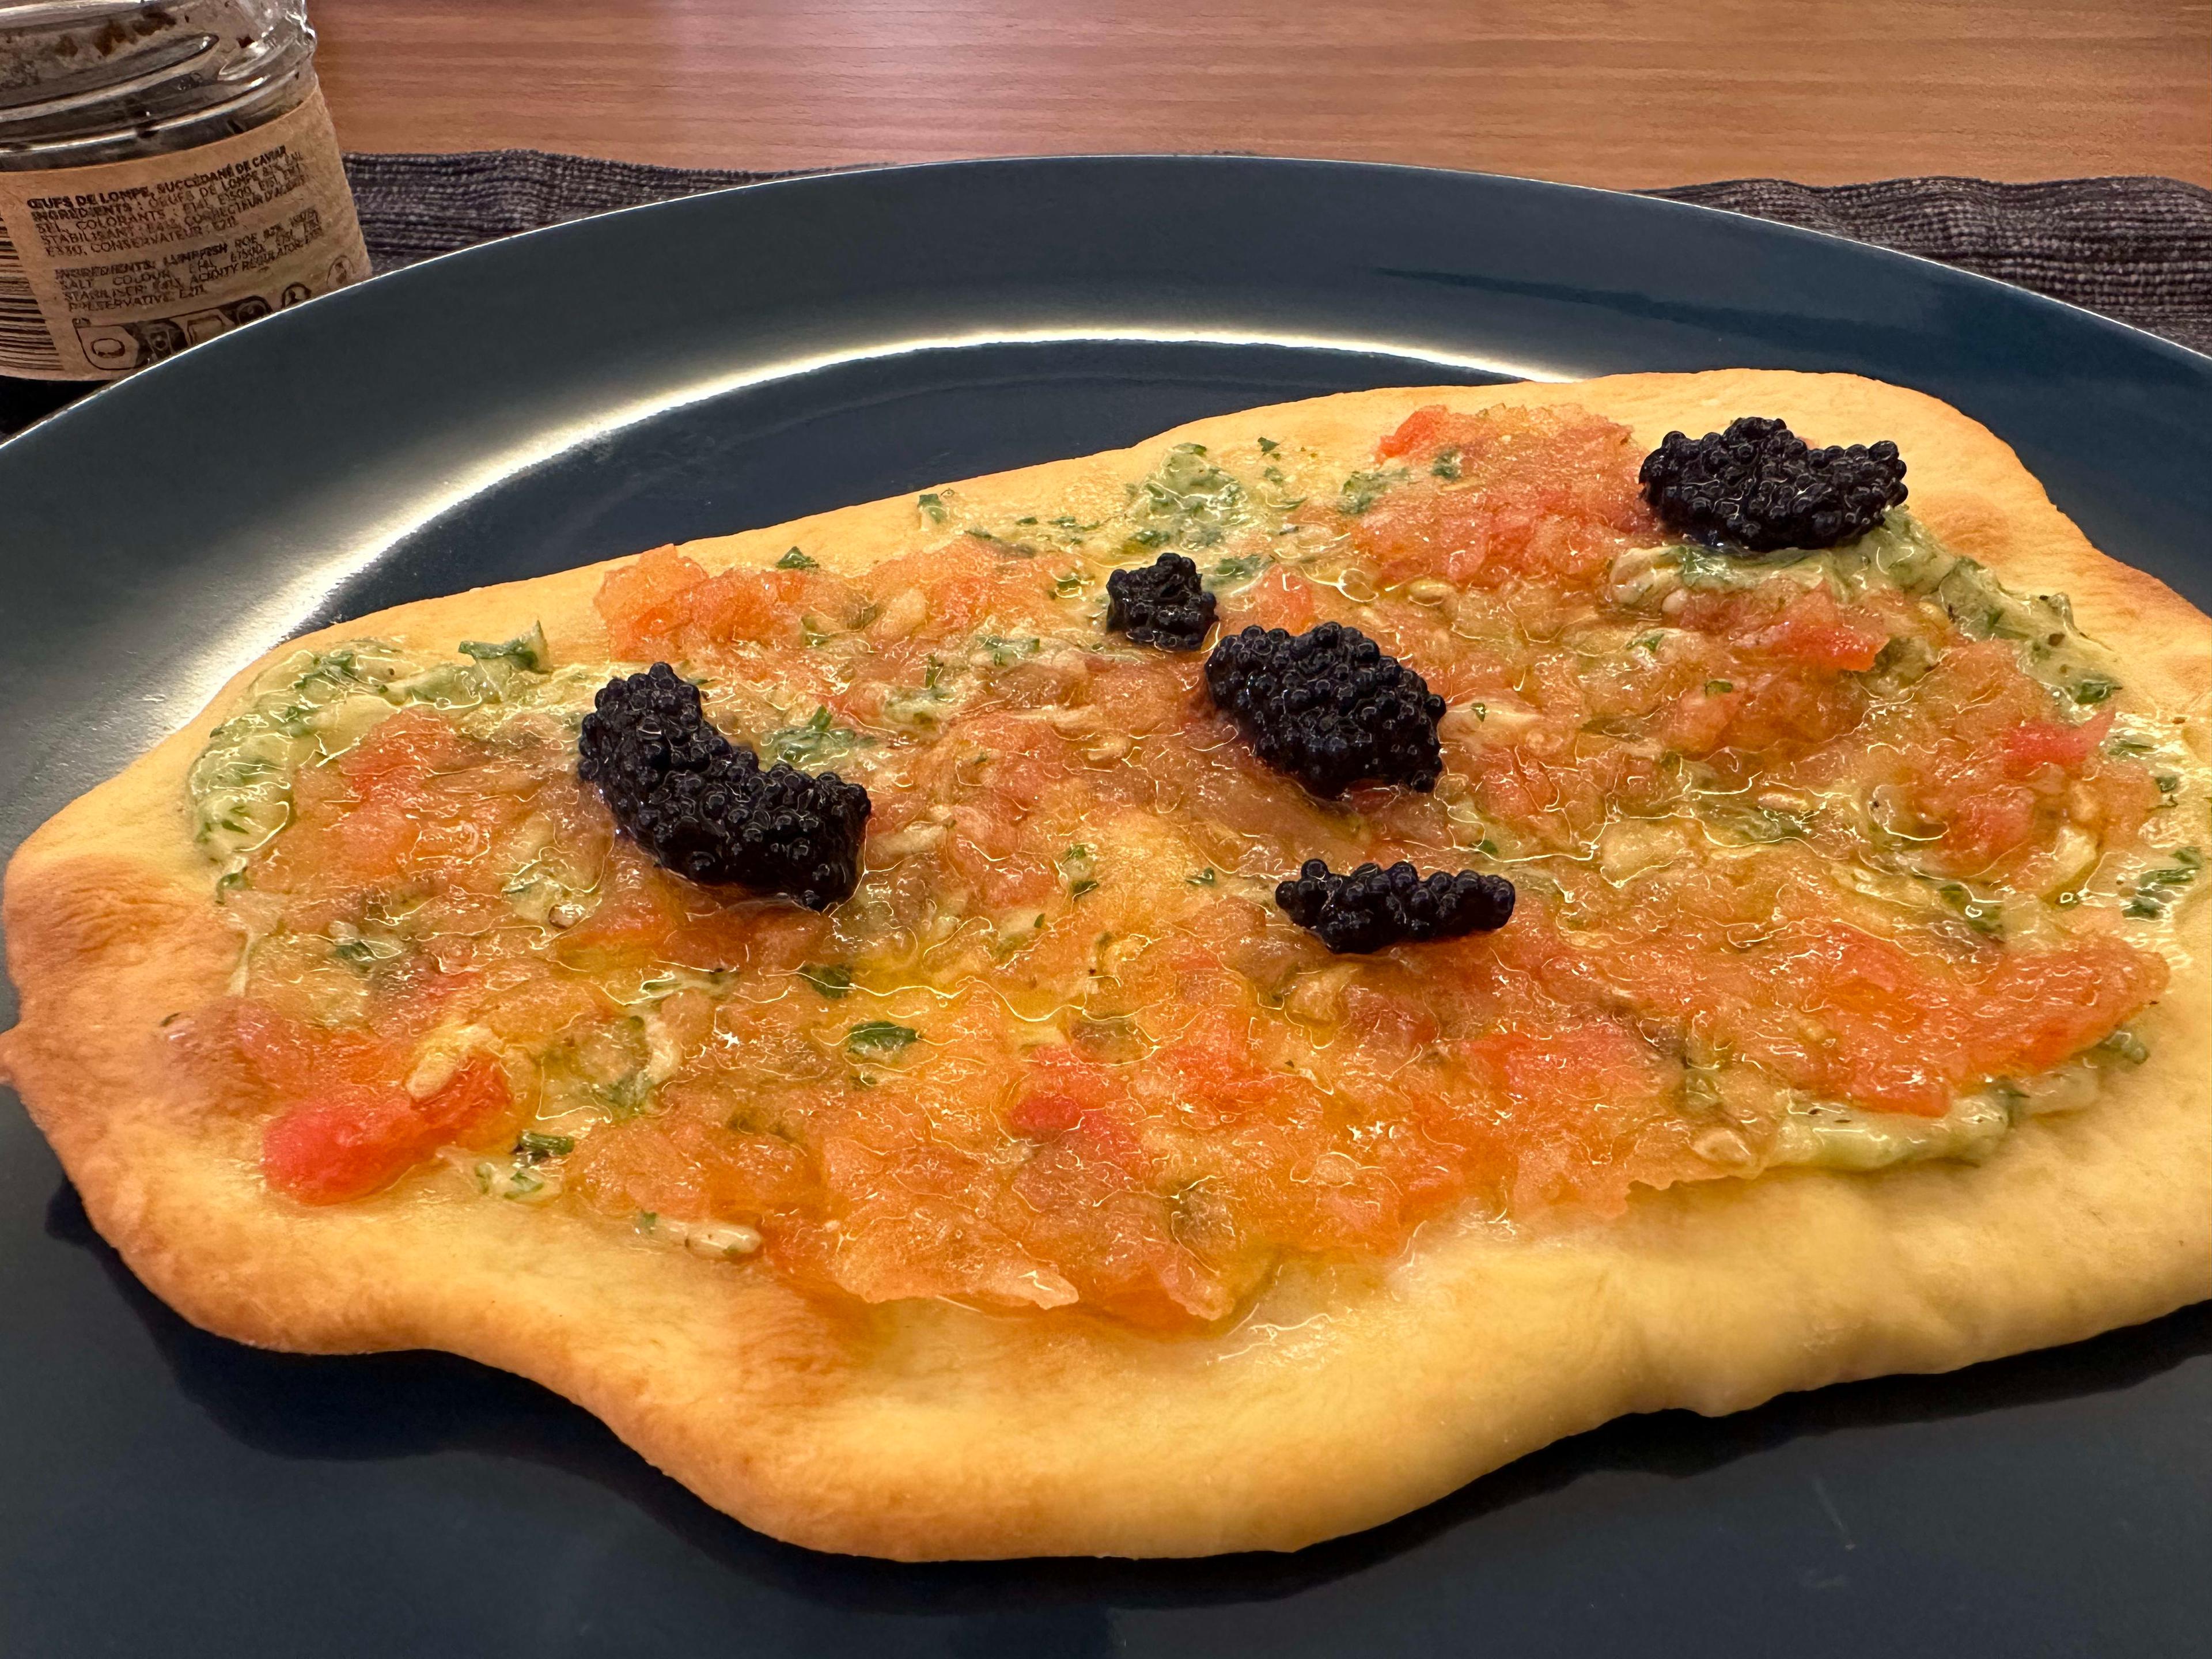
pixel 1994 288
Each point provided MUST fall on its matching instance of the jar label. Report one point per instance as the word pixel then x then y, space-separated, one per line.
pixel 106 269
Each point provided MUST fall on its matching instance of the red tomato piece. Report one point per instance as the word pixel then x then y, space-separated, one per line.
pixel 2053 743
pixel 1044 1114
pixel 347 1142
pixel 343 1145
pixel 642 603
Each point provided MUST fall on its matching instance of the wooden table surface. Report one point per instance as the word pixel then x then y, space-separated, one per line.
pixel 1602 92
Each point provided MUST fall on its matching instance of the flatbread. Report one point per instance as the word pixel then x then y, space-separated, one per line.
pixel 924 1430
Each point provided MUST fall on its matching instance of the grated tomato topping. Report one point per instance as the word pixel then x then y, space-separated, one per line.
pixel 1059 1050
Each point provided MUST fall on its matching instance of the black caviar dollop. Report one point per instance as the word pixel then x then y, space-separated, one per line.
pixel 1163 604
pixel 1328 708
pixel 1372 906
pixel 703 807
pixel 1759 486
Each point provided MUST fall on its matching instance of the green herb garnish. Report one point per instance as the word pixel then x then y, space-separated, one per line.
pixel 1445 466
pixel 2091 689
pixel 932 505
pixel 2124 1045
pixel 1079 866
pixel 2155 889
pixel 533 1147
pixel 1186 499
pixel 879 1037
pixel 1227 573
pixel 2187 862
pixel 833 980
pixel 1980 914
pixel 817 740
pixel 524 650
pixel 1005 651
pixel 626 1096
pixel 1363 490
pixel 795 560
pixel 1701 567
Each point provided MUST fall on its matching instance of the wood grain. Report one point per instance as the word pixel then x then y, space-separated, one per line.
pixel 1588 91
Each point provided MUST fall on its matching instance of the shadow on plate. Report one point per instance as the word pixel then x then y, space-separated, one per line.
pixel 397 1405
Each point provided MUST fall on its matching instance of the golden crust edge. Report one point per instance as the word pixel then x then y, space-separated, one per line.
pixel 1471 1356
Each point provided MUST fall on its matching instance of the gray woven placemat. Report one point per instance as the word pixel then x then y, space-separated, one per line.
pixel 2139 249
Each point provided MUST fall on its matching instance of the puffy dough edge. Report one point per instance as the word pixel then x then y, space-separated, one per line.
pixel 926 1431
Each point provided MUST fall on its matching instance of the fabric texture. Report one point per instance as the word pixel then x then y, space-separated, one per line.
pixel 2137 249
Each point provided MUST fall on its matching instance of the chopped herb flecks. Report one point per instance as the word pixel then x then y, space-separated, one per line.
pixel 833 980
pixel 1187 500
pixel 1079 865
pixel 1003 652
pixel 525 651
pixel 532 1147
pixel 1982 915
pixel 1231 572
pixel 2156 889
pixel 1363 490
pixel 879 1038
pixel 816 741
pixel 2124 1045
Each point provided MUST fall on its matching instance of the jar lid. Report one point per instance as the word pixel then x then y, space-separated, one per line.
pixel 79 77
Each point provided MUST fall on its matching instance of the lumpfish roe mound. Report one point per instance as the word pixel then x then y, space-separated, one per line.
pixel 1372 906
pixel 703 806
pixel 1328 708
pixel 1758 486
pixel 1164 604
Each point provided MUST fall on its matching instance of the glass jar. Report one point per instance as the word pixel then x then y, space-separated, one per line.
pixel 168 172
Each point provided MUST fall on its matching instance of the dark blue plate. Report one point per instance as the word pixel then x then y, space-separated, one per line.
pixel 739 359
